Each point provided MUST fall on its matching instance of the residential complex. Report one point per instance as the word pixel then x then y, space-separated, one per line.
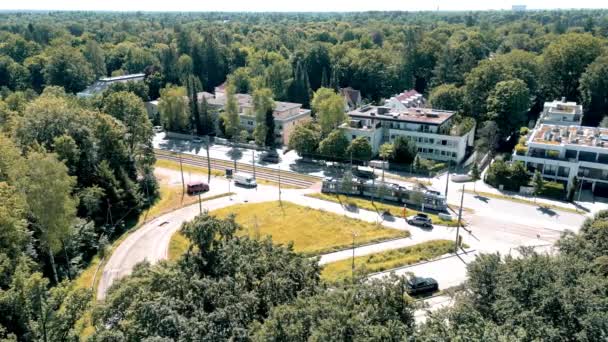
pixel 287 115
pixel 435 132
pixel 103 83
pixel 560 112
pixel 407 99
pixel 561 153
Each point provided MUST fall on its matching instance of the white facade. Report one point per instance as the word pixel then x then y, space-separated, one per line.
pixel 429 129
pixel 561 113
pixel 561 153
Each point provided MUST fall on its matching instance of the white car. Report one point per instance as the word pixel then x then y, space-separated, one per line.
pixel 244 179
pixel 197 140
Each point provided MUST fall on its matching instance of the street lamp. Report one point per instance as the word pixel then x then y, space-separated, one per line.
pixel 353 258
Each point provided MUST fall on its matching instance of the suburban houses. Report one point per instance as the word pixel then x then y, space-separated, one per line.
pixel 103 83
pixel 561 112
pixel 435 132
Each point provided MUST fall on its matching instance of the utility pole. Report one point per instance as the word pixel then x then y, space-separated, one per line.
pixel 459 221
pixel 253 161
pixel 181 169
pixel 200 205
pixel 447 182
pixel 208 162
pixel 279 183
pixel 353 258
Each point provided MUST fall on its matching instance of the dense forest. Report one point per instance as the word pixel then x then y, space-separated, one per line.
pixel 75 173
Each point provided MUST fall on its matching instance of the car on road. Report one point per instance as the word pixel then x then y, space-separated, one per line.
pixel 270 157
pixel 197 140
pixel 421 220
pixel 197 187
pixel 244 179
pixel 420 285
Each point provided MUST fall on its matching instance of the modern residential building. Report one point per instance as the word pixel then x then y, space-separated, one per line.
pixel 435 132
pixel 561 153
pixel 407 99
pixel 352 98
pixel 560 112
pixel 287 115
pixel 103 83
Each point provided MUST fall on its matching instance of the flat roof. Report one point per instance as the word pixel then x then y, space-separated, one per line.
pixel 415 115
pixel 281 110
pixel 121 78
pixel 571 135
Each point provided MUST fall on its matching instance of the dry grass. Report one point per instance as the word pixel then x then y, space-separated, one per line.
pixel 394 209
pixel 312 231
pixel 378 262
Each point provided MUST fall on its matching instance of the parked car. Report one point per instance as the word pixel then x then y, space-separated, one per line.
pixel 421 220
pixel 270 157
pixel 197 187
pixel 197 140
pixel 420 285
pixel 158 129
pixel 245 179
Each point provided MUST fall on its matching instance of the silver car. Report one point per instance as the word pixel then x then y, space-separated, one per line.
pixel 421 220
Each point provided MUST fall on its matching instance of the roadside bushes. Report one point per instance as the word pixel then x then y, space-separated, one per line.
pixel 553 190
pixel 510 176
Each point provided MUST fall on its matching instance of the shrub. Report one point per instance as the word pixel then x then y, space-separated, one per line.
pixel 553 190
pixel 524 131
pixel 521 149
pixel 510 176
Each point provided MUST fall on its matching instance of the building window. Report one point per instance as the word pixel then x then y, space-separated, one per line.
pixel 250 123
pixel 354 137
pixel 444 142
pixel 430 150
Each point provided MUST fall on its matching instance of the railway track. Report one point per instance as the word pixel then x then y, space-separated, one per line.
pixel 261 172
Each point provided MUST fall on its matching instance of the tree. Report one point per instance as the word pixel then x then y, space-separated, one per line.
pixel 329 109
pixel 334 145
pixel 565 60
pixel 360 149
pixel 173 109
pixel 194 86
pixel 507 105
pixel 263 107
pixel 475 175
pixel 48 190
pixel 386 152
pixel 303 140
pixel 604 122
pixel 487 140
pixel 68 68
pixel 95 55
pixel 184 68
pixel 447 97
pixel 594 90
pixel 207 125
pixel 299 91
pixel 232 121
pixel 539 184
pixel 130 109
pixel 241 81
pixel 405 150
pixel 417 164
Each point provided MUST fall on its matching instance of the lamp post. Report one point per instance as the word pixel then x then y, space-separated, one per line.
pixel 456 245
pixel 353 258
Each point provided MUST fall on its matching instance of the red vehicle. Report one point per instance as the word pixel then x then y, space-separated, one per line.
pixel 195 188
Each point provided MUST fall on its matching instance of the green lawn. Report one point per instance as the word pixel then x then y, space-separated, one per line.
pixel 342 270
pixel 394 209
pixel 312 231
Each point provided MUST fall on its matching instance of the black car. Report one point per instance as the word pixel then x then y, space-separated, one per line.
pixel 419 285
pixel 270 157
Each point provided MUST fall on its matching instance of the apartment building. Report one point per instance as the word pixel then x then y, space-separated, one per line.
pixel 407 99
pixel 561 112
pixel 287 115
pixel 435 132
pixel 103 83
pixel 352 98
pixel 561 153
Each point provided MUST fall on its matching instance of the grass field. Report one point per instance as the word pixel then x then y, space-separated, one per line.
pixel 341 270
pixel 394 209
pixel 312 231
pixel 524 201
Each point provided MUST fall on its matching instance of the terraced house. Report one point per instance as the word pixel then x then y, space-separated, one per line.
pixel 437 134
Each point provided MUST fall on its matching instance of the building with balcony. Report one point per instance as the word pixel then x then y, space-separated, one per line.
pixel 287 115
pixel 560 112
pixel 435 132
pixel 103 83
pixel 561 153
pixel 407 99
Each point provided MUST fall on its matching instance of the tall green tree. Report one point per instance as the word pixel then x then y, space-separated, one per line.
pixel 594 90
pixel 329 109
pixel 507 105
pixel 232 121
pixel 67 67
pixel 447 97
pixel 304 140
pixel 334 145
pixel 48 190
pixel 96 57
pixel 359 149
pixel 263 106
pixel 173 109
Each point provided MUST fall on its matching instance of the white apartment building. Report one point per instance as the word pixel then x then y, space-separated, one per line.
pixel 434 131
pixel 287 115
pixel 560 112
pixel 103 83
pixel 561 153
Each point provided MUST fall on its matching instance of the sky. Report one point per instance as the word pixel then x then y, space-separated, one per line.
pixel 291 5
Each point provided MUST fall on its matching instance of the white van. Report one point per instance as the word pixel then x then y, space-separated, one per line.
pixel 244 179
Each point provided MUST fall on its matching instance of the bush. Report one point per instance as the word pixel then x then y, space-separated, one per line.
pixel 521 149
pixel 524 131
pixel 553 190
pixel 510 176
